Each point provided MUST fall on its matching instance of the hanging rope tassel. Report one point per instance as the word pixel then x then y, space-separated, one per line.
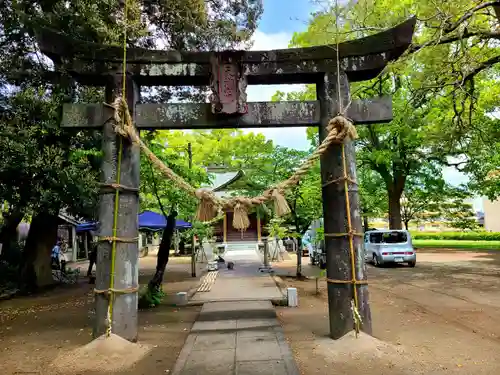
pixel 240 218
pixel 281 207
pixel 358 321
pixel 207 209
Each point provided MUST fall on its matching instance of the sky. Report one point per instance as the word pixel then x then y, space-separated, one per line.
pixel 280 20
pixel 277 25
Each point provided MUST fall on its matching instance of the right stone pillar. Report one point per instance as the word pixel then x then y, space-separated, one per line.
pixel 336 210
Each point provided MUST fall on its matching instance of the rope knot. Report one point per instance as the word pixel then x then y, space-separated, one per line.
pixel 123 124
pixel 343 127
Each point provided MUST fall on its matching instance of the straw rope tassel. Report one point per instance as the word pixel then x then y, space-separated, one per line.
pixel 240 217
pixel 281 206
pixel 207 209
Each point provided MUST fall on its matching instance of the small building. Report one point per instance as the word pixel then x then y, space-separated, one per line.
pixel 66 231
pixel 491 212
pixel 226 183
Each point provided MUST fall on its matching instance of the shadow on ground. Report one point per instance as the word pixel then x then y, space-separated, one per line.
pixel 61 320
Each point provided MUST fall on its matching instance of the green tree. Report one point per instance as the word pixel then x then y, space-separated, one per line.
pixel 304 199
pixel 45 168
pixel 424 195
pixel 428 196
pixel 482 162
pixel 460 214
pixel 442 90
pixel 43 171
pixel 372 194
pixel 172 149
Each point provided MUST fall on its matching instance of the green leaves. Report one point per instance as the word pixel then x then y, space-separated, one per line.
pixel 43 167
pixel 150 297
pixel 443 93
pixel 264 164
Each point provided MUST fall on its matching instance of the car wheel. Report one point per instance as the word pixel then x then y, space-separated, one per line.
pixel 412 264
pixel 376 261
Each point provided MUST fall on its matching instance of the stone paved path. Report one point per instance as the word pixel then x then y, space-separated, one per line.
pixel 236 338
pixel 244 282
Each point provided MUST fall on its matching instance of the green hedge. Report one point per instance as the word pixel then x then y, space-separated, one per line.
pixel 464 236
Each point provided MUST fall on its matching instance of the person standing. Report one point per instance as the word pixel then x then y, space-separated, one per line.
pixel 56 252
pixel 62 261
pixel 306 242
pixel 92 258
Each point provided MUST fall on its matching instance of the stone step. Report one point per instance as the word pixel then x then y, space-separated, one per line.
pixel 232 246
pixel 217 311
pixel 227 340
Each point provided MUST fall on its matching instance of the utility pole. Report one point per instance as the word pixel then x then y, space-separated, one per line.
pixel 193 242
pixel 190 156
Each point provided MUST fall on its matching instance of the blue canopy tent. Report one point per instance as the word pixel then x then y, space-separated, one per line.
pixel 88 226
pixel 148 220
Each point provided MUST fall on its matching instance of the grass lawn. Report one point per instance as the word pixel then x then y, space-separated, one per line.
pixel 458 244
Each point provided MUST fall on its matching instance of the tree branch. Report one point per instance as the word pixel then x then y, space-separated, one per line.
pixel 469 14
pixel 484 65
pixel 453 38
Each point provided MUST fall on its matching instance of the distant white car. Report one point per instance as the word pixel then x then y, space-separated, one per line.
pixel 389 246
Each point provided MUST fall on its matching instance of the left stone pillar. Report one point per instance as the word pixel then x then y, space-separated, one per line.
pixel 126 261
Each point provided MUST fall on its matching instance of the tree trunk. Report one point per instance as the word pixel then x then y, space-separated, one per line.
pixel 299 258
pixel 365 223
pixel 395 221
pixel 8 232
pixel 407 224
pixel 182 247
pixel 299 247
pixel 36 270
pixel 163 252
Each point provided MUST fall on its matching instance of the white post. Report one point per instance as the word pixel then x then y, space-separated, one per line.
pixel 181 299
pixel 74 243
pixel 293 297
pixel 209 252
pixel 86 244
pixel 176 241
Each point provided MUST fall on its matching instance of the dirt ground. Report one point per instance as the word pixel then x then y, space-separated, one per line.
pixel 35 330
pixel 444 314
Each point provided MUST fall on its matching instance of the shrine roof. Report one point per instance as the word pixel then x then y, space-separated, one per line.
pixel 221 180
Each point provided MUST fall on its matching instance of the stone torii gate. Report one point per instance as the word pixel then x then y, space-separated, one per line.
pixel 227 73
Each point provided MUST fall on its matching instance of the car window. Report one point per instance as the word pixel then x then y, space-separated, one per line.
pixel 388 237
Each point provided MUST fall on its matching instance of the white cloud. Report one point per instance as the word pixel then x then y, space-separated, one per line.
pixel 288 137
pixel 263 41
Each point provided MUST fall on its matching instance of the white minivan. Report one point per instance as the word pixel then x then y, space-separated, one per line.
pixel 389 246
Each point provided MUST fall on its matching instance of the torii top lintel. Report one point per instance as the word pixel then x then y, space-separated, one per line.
pixel 361 59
